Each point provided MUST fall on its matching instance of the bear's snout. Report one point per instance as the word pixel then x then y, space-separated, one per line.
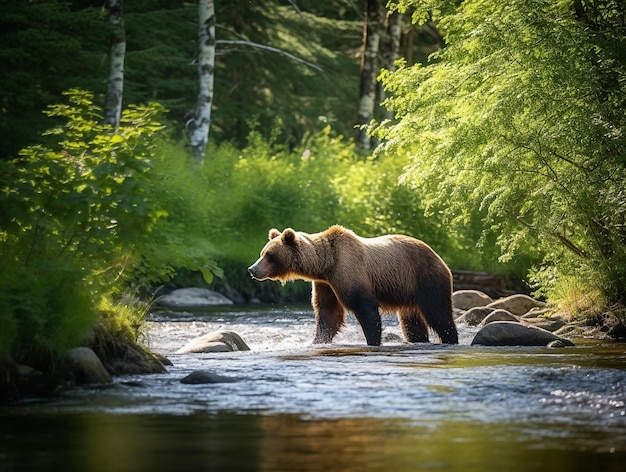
pixel 255 271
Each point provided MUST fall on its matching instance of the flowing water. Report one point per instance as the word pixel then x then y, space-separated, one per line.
pixel 291 406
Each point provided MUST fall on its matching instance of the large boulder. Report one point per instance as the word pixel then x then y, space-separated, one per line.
pixel 519 304
pixel 217 341
pixel 508 333
pixel 466 299
pixel 85 367
pixel 192 298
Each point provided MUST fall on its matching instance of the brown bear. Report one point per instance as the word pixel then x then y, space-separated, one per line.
pixel 364 275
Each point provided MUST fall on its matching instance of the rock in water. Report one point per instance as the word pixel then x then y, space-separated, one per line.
pixel 466 299
pixel 205 377
pixel 517 304
pixel 508 333
pixel 217 341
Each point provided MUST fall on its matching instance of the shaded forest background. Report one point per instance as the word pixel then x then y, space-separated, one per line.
pixel 500 147
pixel 49 47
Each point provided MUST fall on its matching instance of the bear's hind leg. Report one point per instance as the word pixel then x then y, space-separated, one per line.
pixel 329 313
pixel 413 326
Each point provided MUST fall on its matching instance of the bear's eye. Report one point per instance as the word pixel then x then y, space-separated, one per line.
pixel 271 257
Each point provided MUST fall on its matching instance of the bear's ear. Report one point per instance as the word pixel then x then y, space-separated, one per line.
pixel 274 233
pixel 289 237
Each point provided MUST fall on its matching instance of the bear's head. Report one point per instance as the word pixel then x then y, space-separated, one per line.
pixel 277 257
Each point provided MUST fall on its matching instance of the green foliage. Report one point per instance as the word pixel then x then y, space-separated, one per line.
pixel 87 195
pixel 229 204
pixel 80 217
pixel 520 120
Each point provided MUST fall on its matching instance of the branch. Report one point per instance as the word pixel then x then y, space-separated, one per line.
pixel 295 7
pixel 270 49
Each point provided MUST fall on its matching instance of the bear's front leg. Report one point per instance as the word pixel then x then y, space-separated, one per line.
pixel 329 313
pixel 365 308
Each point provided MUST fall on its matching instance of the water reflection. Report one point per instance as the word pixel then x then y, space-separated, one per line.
pixel 235 442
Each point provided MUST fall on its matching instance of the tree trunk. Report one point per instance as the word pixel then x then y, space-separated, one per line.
pixel 390 50
pixel 117 52
pixel 198 125
pixel 369 69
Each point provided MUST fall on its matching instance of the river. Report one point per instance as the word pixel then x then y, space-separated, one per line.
pixel 291 406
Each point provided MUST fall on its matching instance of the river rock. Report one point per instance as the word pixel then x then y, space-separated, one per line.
pixel 507 333
pixel 217 341
pixel 86 367
pixel 549 324
pixel 499 315
pixel 192 298
pixel 518 304
pixel 133 359
pixel 205 377
pixel 466 299
pixel 475 316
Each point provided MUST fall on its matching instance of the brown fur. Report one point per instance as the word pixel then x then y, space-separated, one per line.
pixel 390 273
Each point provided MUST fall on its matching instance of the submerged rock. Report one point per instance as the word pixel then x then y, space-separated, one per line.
pixel 508 333
pixel 205 377
pixel 217 341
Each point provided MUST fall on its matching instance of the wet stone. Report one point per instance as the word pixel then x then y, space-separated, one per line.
pixel 206 377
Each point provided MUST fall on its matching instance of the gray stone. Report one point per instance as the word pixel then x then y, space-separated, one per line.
pixel 499 315
pixel 192 298
pixel 217 341
pixel 557 344
pixel 507 333
pixel 517 304
pixel 86 367
pixel 549 324
pixel 205 377
pixel 466 299
pixel 475 316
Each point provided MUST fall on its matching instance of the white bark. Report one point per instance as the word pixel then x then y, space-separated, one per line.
pixel 198 125
pixel 390 50
pixel 117 53
pixel 369 71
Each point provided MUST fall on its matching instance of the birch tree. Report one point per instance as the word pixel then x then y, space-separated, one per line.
pixel 370 66
pixel 390 50
pixel 117 52
pixel 198 126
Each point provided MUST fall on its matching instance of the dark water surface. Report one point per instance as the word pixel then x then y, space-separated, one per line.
pixel 345 407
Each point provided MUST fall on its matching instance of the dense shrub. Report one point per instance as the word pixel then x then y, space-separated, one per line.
pixel 81 215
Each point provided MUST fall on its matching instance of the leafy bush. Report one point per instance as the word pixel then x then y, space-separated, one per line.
pixel 78 215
